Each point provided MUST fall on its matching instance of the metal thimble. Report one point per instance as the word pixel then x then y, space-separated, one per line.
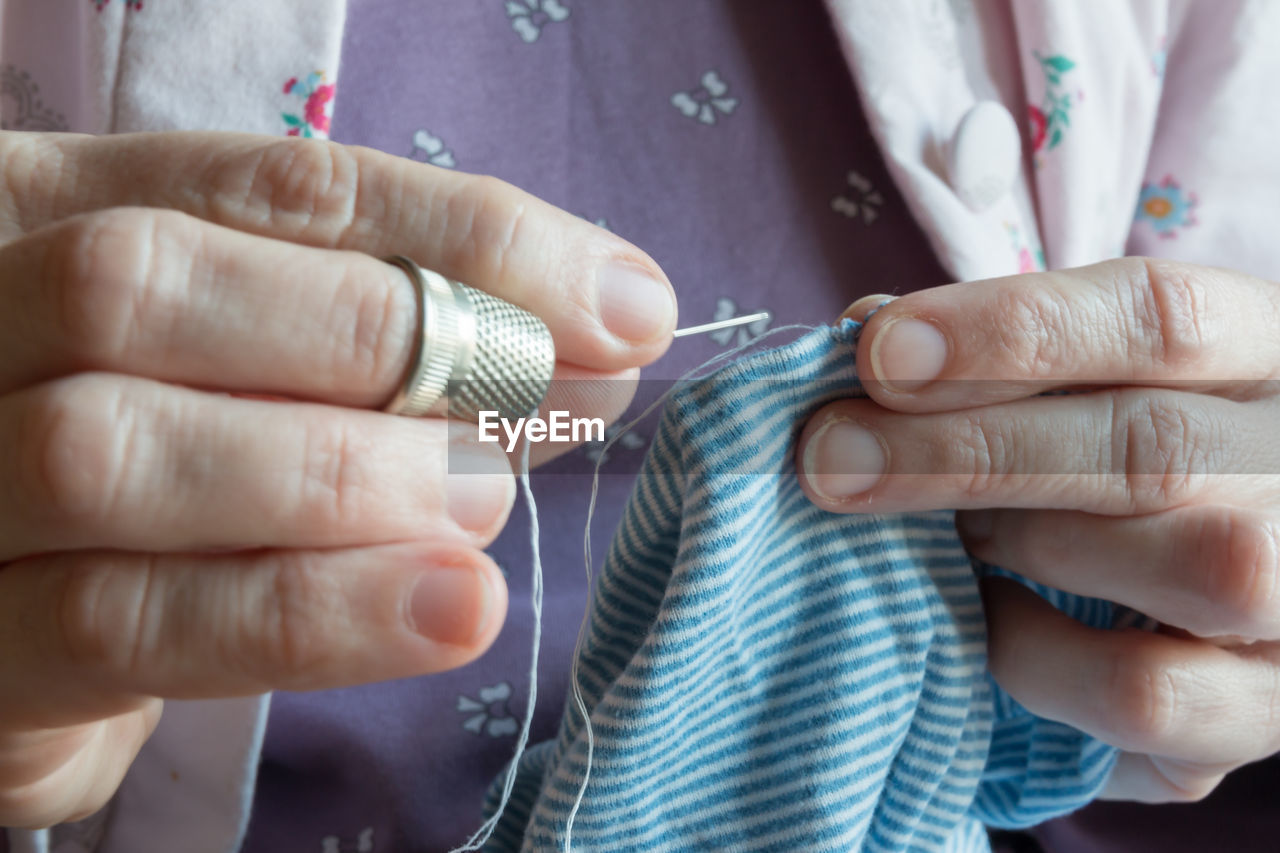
pixel 474 353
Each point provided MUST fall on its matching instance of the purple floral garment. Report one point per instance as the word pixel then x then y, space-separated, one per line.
pixel 726 140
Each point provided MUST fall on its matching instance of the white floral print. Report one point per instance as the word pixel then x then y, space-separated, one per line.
pixel 528 17
pixel 725 309
pixel 362 843
pixel 430 148
pixel 707 101
pixel 490 713
pixel 864 202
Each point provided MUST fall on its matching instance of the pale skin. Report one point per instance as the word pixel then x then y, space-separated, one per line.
pixel 1157 488
pixel 165 535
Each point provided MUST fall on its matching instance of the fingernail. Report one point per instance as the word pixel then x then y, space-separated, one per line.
pixel 975 525
pixel 451 604
pixel 843 459
pixel 479 489
pixel 908 354
pixel 865 306
pixel 634 305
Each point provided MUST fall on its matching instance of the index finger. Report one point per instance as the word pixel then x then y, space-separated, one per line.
pixel 607 304
pixel 1125 321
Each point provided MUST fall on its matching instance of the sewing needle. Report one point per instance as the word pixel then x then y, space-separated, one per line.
pixel 720 324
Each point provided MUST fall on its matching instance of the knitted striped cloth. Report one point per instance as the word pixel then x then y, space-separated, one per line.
pixel 764 675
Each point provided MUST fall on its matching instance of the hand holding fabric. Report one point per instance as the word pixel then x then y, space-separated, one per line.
pixel 1156 485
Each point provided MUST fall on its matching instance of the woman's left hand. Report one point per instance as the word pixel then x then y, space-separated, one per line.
pixel 1156 485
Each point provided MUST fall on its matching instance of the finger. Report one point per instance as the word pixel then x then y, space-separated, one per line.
pixel 1214 571
pixel 163 295
pixel 66 774
pixel 862 308
pixel 108 461
pixel 1152 779
pixel 1142 692
pixel 1122 451
pixel 586 401
pixel 1131 320
pixel 87 634
pixel 607 304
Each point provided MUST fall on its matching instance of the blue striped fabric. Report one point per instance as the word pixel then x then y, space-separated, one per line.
pixel 762 675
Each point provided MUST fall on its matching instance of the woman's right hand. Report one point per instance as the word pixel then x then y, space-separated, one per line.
pixel 198 496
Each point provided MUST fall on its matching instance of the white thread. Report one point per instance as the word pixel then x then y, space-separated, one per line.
pixel 481 835
pixel 574 682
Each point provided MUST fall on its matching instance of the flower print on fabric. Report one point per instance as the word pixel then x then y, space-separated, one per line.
pixel 98 5
pixel 1166 207
pixel 727 309
pixel 940 21
pixel 528 17
pixel 362 843
pixel 21 107
pixel 1029 260
pixel 428 148
pixel 1160 57
pixel 707 101
pixel 317 98
pixel 595 450
pixel 865 202
pixel 1050 120
pixel 490 713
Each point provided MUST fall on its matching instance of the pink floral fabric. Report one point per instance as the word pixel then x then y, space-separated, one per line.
pixel 317 98
pixel 1142 134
